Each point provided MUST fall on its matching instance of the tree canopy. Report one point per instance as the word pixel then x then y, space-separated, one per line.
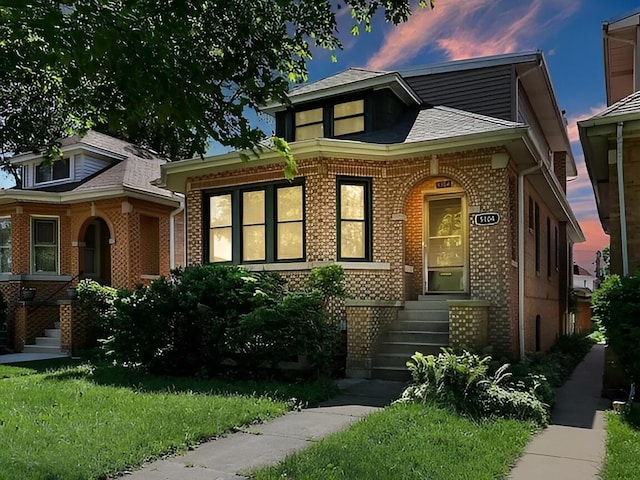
pixel 167 75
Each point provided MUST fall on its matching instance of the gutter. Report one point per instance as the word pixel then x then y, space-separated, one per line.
pixel 172 235
pixel 521 262
pixel 623 215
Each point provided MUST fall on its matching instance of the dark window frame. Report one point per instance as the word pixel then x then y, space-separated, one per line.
pixel 270 189
pixel 289 121
pixel 536 219
pixel 548 247
pixel 368 217
pixel 35 244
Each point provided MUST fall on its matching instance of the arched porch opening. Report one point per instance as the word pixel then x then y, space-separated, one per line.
pixel 95 251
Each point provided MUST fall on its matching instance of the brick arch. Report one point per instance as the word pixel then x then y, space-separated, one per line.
pixel 402 194
pixel 81 227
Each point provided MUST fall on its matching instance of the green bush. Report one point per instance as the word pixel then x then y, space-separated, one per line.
pixel 616 305
pixel 209 319
pixel 462 382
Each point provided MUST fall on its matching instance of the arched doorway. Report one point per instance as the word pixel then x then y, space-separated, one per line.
pixel 95 256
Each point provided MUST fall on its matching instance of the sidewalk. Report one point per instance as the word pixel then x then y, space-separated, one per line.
pixel 227 458
pixel 572 446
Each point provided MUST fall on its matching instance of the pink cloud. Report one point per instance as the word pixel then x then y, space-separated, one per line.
pixel 471 28
pixel 585 253
pixel 572 121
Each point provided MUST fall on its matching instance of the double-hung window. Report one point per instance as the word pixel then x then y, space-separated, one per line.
pixel 309 124
pixel 44 245
pixel 354 219
pixel 348 117
pixel 49 172
pixel 5 245
pixel 257 224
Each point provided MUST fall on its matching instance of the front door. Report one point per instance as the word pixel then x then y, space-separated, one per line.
pixel 445 234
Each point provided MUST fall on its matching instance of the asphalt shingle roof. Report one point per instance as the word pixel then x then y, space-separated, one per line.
pixel 630 104
pixel 435 123
pixel 351 75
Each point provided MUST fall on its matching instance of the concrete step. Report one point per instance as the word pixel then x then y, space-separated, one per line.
pixel 421 325
pixel 48 341
pixel 408 349
pixel 52 332
pixel 437 297
pixel 418 336
pixel 40 349
pixel 391 373
pixel 433 315
pixel 426 305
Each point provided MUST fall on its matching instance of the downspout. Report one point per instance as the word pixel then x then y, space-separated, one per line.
pixel 521 261
pixel 623 216
pixel 172 234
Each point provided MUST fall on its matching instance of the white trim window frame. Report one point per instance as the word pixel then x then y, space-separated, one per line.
pixel 54 170
pixel 5 244
pixel 45 244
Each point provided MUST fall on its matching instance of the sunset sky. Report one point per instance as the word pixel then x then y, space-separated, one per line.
pixel 569 32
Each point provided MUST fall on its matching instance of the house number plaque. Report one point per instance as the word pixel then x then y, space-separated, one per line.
pixel 443 184
pixel 486 219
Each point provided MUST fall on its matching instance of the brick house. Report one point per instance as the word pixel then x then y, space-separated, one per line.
pixel 92 214
pixel 440 190
pixel 611 146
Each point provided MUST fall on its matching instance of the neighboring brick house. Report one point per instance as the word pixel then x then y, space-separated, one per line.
pixel 584 284
pixel 612 147
pixel 92 214
pixel 440 190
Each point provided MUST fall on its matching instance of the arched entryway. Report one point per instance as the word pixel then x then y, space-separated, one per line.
pixel 437 237
pixel 95 251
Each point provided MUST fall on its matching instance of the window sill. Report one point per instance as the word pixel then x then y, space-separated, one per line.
pixel 282 267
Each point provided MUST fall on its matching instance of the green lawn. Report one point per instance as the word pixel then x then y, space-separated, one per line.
pixel 410 441
pixel 622 459
pixel 82 422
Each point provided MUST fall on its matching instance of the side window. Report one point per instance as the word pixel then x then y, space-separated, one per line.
pixel 348 117
pixel 44 245
pixel 354 219
pixel 5 245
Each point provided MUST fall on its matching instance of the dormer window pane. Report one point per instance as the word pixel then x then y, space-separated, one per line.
pixel 309 124
pixel 348 125
pixel 46 172
pixel 348 117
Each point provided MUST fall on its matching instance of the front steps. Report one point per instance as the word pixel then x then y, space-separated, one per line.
pixel 50 343
pixel 422 326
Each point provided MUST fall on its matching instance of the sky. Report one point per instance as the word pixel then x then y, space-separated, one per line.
pixel 568 32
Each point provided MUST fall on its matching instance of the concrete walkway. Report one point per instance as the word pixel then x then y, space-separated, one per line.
pixel 572 447
pixel 29 357
pixel 229 457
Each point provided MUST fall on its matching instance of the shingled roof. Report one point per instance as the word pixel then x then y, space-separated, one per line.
pixel 435 123
pixel 346 77
pixel 627 105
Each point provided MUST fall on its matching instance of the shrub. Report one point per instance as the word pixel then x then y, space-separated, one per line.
pixel 616 304
pixel 202 319
pixel 462 382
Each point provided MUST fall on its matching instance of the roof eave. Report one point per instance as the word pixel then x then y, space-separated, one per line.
pixel 175 174
pixel 79 146
pixel 390 80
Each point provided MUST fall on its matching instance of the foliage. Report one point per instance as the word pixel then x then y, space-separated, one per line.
pixel 623 445
pixel 209 319
pixel 3 311
pixel 329 280
pixel 166 75
pixel 616 305
pixel 407 442
pixel 462 382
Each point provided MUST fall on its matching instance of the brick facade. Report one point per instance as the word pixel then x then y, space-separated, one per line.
pixel 396 270
pixel 134 247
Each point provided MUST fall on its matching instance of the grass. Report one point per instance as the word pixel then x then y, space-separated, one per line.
pixel 410 441
pixel 623 445
pixel 83 422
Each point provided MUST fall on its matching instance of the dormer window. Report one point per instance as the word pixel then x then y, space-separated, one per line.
pixel 49 172
pixel 309 124
pixel 348 117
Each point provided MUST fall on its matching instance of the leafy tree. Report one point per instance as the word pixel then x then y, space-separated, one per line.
pixel 167 75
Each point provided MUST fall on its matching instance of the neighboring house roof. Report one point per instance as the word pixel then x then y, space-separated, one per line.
pixel 435 123
pixel 596 133
pixel 627 105
pixel 132 171
pixel 578 270
pixel 619 42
